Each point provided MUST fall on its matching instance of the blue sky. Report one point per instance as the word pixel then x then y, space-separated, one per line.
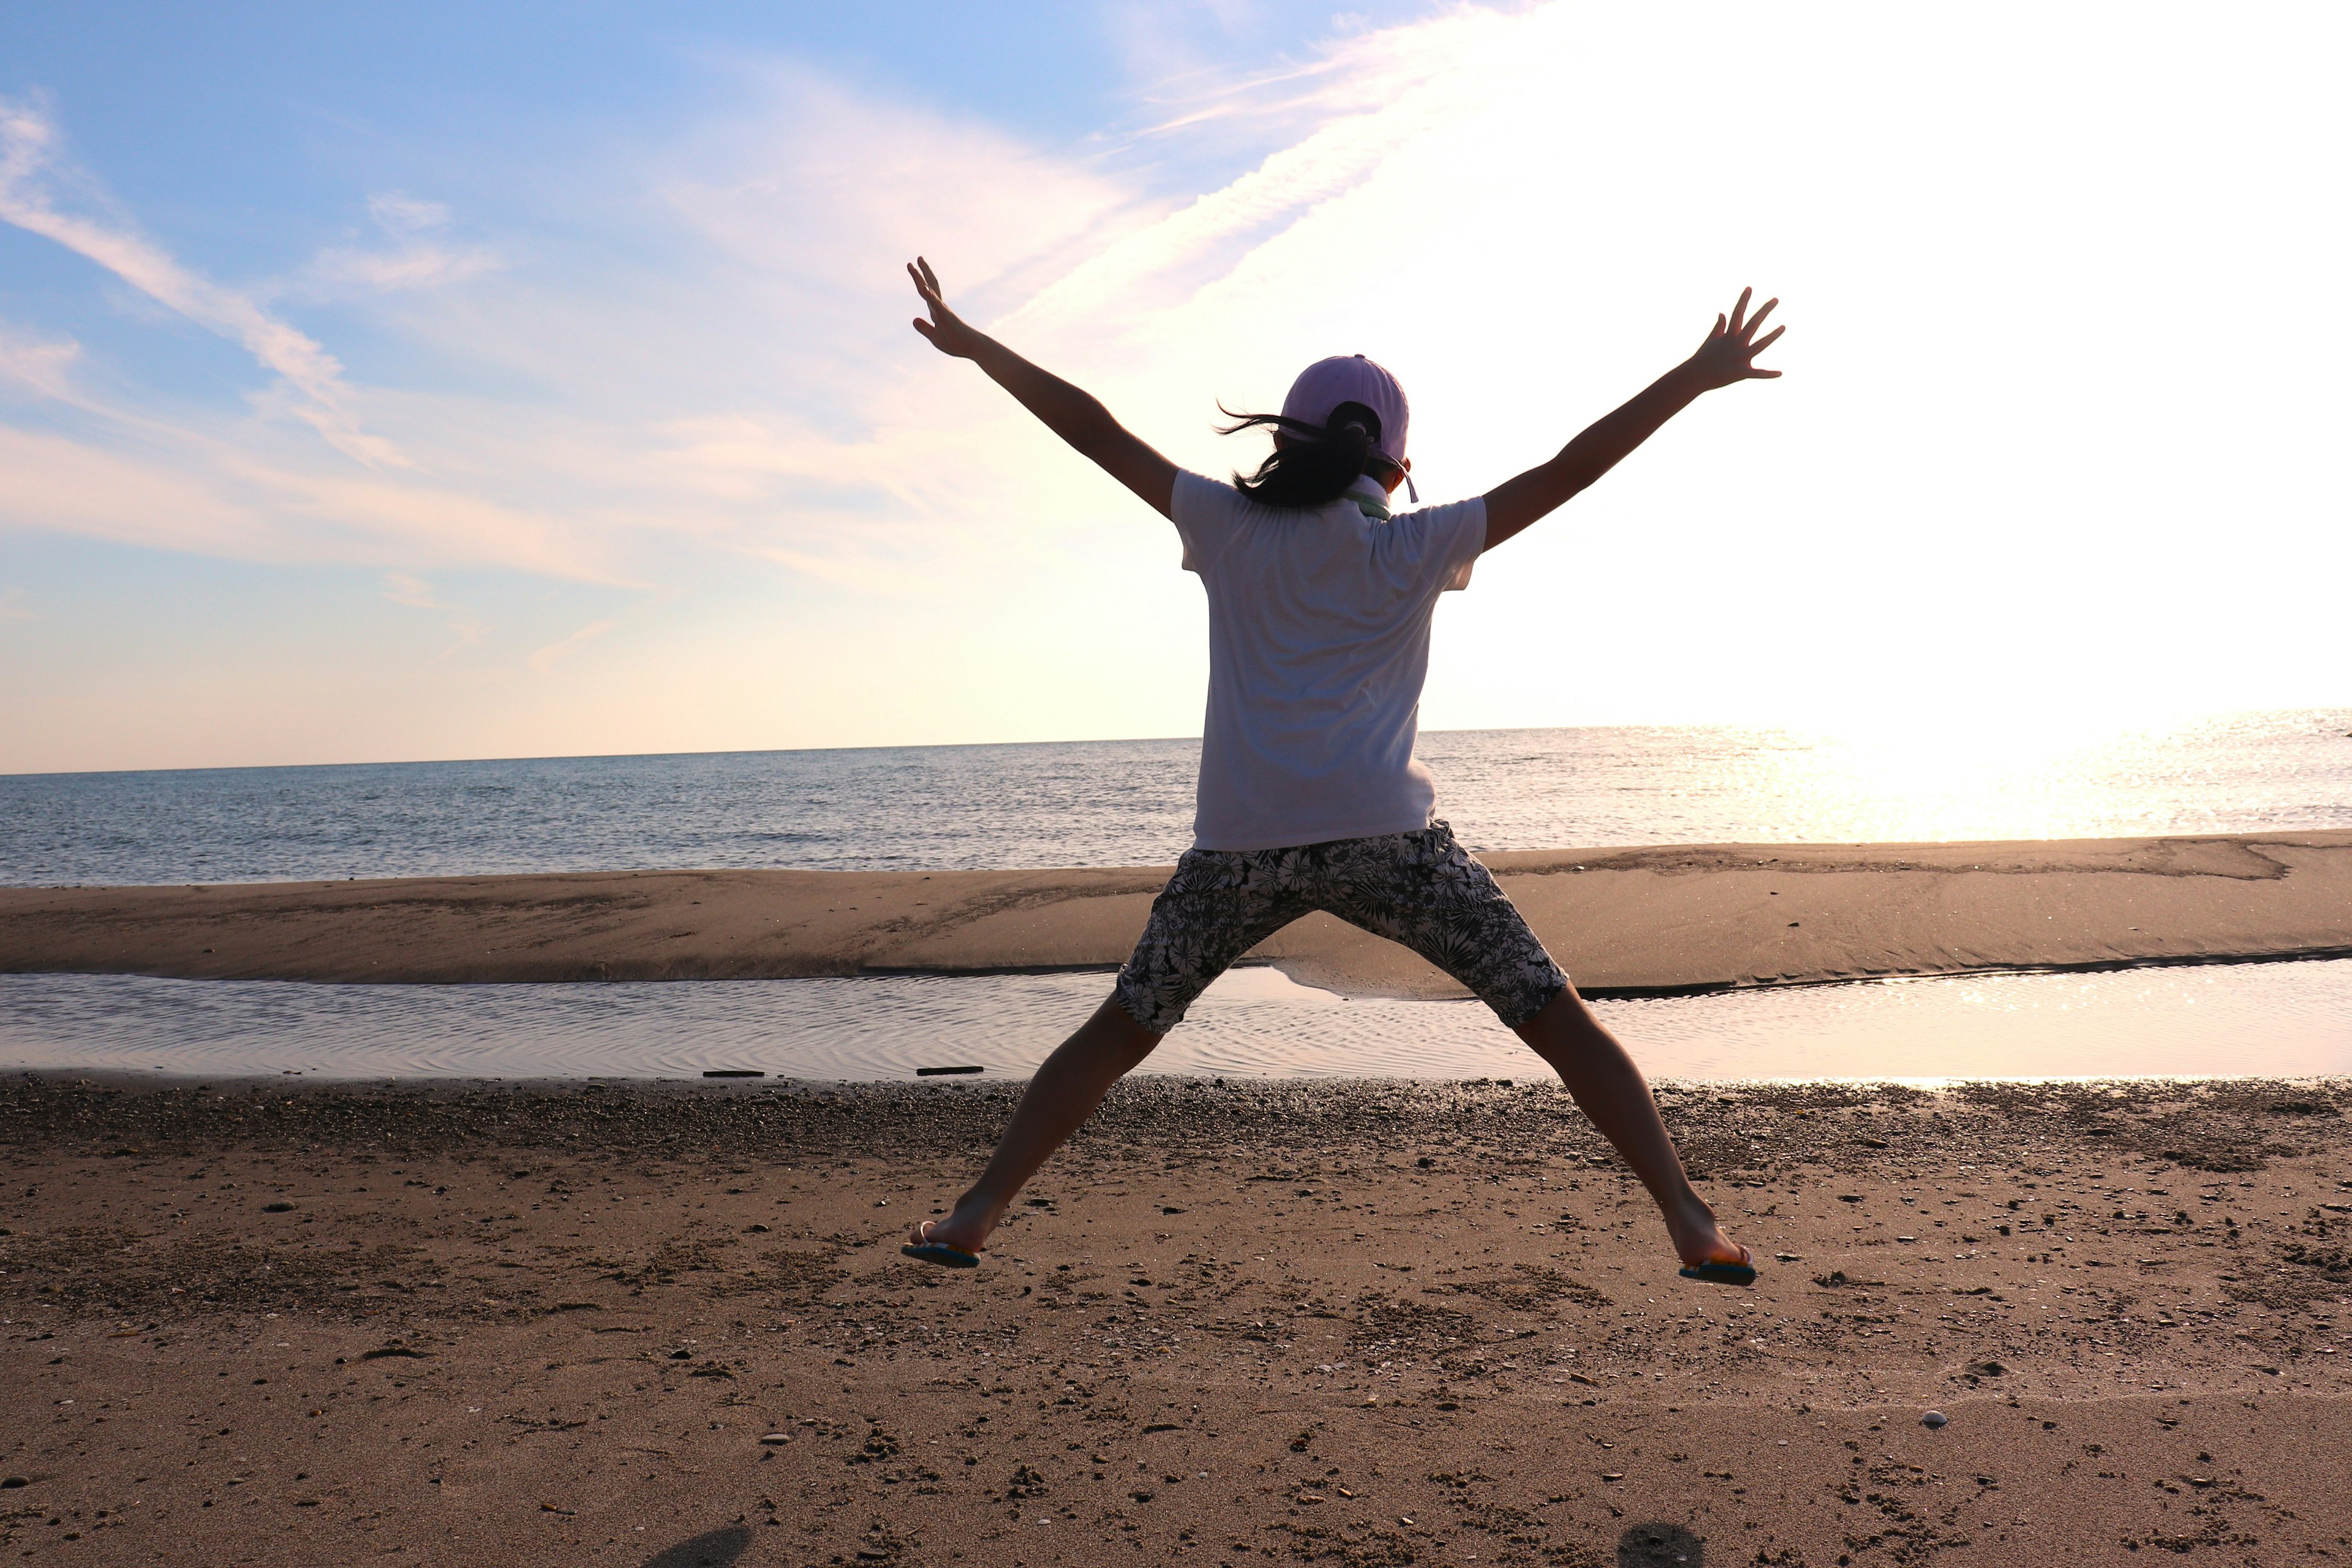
pixel 416 382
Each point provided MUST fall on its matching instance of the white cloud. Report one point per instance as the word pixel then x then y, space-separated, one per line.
pixel 30 170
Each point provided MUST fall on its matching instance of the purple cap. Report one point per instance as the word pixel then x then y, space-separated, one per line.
pixel 1327 382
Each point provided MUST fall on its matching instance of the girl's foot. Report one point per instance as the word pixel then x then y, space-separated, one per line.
pixel 966 1229
pixel 1700 1240
pixel 1724 1250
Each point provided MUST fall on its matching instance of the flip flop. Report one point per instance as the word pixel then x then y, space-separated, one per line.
pixel 1722 1273
pixel 941 1253
pixel 938 1252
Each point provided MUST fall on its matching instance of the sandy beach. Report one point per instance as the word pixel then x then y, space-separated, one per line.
pixel 1627 922
pixel 1236 1323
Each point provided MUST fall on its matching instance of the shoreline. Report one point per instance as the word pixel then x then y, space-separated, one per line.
pixel 1640 921
pixel 603 1325
pixel 122 1080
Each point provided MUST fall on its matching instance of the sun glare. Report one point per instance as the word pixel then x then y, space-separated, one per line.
pixel 1981 774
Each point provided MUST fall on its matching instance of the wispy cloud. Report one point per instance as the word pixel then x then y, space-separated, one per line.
pixel 401 588
pixel 1353 70
pixel 409 267
pixel 546 659
pixel 37 365
pixel 416 257
pixel 732 370
pixel 412 592
pixel 401 213
pixel 55 483
pixel 32 170
pixel 735 370
pixel 1335 117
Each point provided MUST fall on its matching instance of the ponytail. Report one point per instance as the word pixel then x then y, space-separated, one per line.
pixel 1312 465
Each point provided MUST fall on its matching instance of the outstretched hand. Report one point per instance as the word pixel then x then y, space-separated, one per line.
pixel 1729 352
pixel 945 329
pixel 1065 410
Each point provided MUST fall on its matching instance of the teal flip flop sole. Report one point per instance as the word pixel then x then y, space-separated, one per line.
pixel 941 1253
pixel 1722 1273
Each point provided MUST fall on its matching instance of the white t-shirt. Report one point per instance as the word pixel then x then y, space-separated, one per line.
pixel 1318 643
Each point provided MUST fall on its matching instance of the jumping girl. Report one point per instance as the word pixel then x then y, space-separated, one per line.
pixel 1310 797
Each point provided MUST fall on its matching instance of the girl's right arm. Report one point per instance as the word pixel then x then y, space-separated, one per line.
pixel 1075 416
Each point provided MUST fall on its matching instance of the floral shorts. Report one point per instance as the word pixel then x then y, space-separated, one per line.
pixel 1421 890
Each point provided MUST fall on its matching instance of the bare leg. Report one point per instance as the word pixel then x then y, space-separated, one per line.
pixel 1068 1086
pixel 1610 1090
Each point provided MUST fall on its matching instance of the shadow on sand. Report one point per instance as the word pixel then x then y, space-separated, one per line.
pixel 1655 1545
pixel 713 1549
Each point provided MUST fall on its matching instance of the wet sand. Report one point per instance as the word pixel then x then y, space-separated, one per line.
pixel 1623 921
pixel 1242 1323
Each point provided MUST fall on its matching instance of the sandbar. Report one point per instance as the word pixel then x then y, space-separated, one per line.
pixel 1623 921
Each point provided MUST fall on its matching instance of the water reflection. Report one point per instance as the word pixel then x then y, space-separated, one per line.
pixel 2269 1020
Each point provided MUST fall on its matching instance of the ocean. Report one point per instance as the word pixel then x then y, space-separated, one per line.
pixel 1960 776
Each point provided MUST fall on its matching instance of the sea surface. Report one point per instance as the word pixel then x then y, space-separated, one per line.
pixel 1959 776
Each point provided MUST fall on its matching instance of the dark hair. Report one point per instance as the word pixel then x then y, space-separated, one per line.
pixel 1315 466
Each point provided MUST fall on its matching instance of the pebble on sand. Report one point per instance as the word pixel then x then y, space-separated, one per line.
pixel 1933 1419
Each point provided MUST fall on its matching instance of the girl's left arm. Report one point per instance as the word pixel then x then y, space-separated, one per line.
pixel 1075 416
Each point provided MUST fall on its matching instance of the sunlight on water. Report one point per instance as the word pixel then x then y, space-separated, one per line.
pixel 1952 778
